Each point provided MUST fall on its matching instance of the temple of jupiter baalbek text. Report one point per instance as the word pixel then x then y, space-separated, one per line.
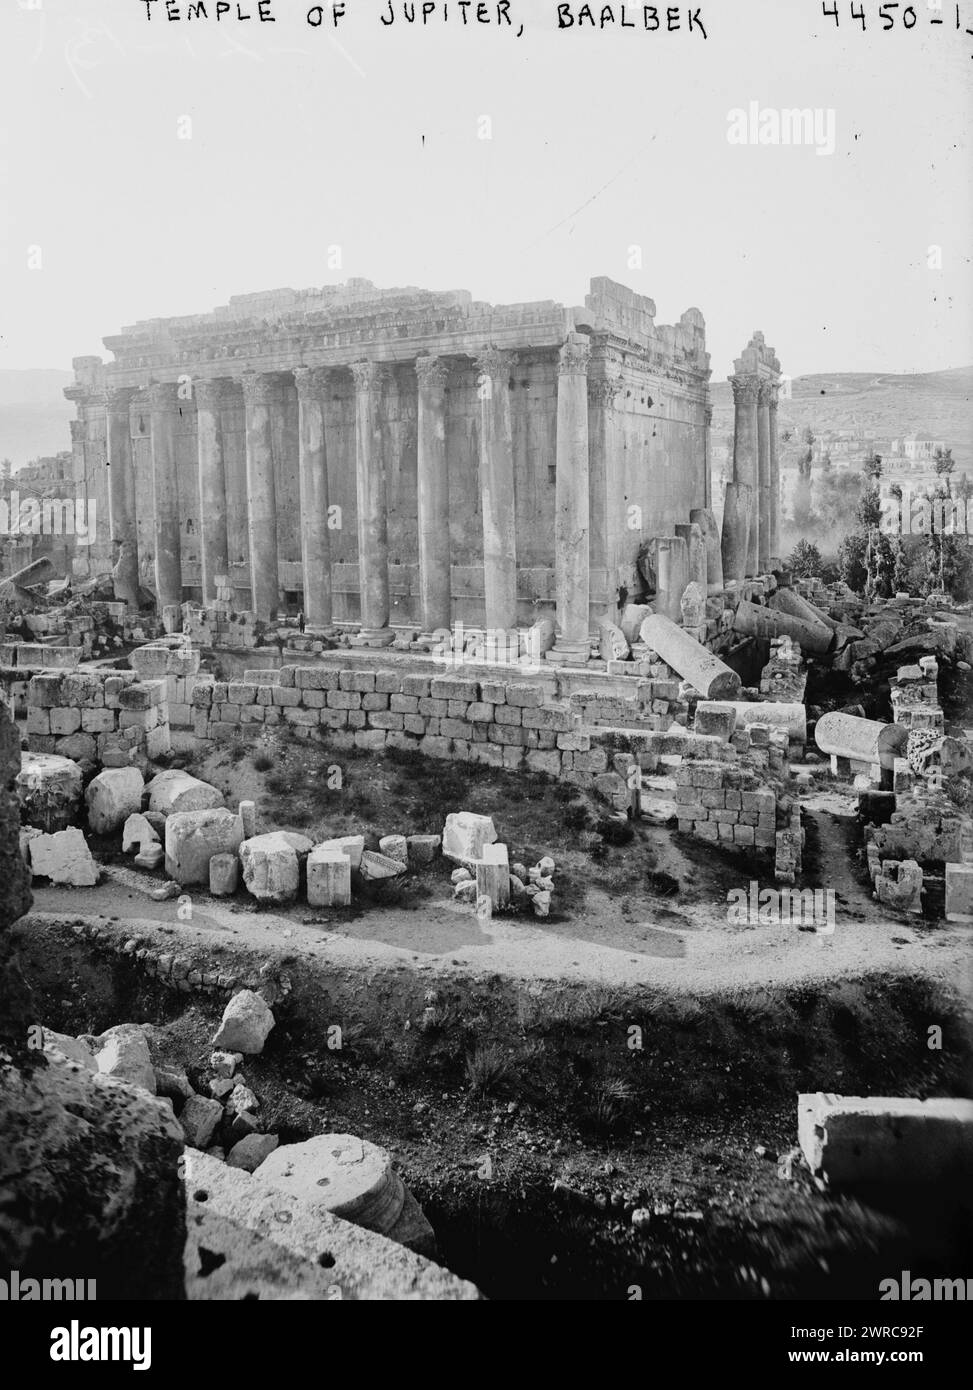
pixel 408 459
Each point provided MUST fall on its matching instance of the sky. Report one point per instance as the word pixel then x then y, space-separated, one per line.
pixel 320 153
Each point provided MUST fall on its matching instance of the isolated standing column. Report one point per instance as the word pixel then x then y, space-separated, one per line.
pixel 312 385
pixel 497 490
pixel 260 394
pixel 213 549
pixel 433 488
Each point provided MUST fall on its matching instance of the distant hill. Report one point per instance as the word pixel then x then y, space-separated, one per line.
pixel 34 416
pixel 882 406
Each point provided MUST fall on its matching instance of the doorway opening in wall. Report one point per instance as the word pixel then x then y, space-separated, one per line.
pixel 293 599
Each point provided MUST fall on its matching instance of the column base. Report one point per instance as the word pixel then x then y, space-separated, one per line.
pixel 565 653
pixel 373 637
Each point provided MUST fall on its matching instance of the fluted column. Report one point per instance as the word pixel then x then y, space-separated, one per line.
pixel 433 487
pixel 572 515
pixel 373 546
pixel 775 558
pixel 213 549
pixel 497 490
pixel 745 457
pixel 708 457
pixel 163 408
pixel 260 394
pixel 763 476
pixel 312 383
pixel 121 496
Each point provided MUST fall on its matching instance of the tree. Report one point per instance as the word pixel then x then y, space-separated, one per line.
pixel 943 462
pixel 805 560
pixel 872 466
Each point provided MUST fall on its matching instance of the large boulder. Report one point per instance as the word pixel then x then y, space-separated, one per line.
pixel 174 790
pixel 49 791
pixel 113 796
pixel 89 1182
pixel 138 834
pixel 247 1020
pixel 465 834
pixel 124 1054
pixel 64 858
pixel 271 868
pixel 194 837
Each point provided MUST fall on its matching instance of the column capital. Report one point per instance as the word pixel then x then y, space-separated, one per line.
pixel 602 391
pixel 574 356
pixel 745 389
pixel 118 399
pixel 161 395
pixel 369 375
pixel 210 394
pixel 259 388
pixel 767 393
pixel 773 394
pixel 495 362
pixel 708 415
pixel 311 382
pixel 432 373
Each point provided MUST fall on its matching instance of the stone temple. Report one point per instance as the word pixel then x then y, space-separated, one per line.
pixel 378 457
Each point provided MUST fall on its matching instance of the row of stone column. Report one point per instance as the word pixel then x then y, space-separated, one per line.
pixel 751 513
pixel 261 396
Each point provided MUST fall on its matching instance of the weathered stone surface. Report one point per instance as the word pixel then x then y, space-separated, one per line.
pixel 860 740
pixel 123 1053
pixel 64 858
pixel 422 849
pixel 69 1049
pixel 328 878
pixel 194 837
pixel 395 847
pixel 49 791
pixel 251 1151
pixel 352 845
pixel 493 875
pixel 112 797
pixel 199 1118
pixel 756 620
pixel 174 790
pixel 89 1182
pixel 271 869
pixel 224 875
pixel 376 868
pixel 247 1020
pixel 465 834
pixel 612 643
pixel 271 1244
pixel 704 671
pixel 886 1139
pixel 959 892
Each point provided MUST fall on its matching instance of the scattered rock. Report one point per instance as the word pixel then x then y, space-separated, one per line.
pixel 271 870
pixel 124 1054
pixel 245 1025
pixel 174 790
pixel 225 1063
pixel 49 790
pixel 194 837
pixel 199 1119
pixel 250 1152
pixel 465 834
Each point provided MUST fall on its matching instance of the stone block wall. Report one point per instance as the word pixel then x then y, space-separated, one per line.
pixel 98 718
